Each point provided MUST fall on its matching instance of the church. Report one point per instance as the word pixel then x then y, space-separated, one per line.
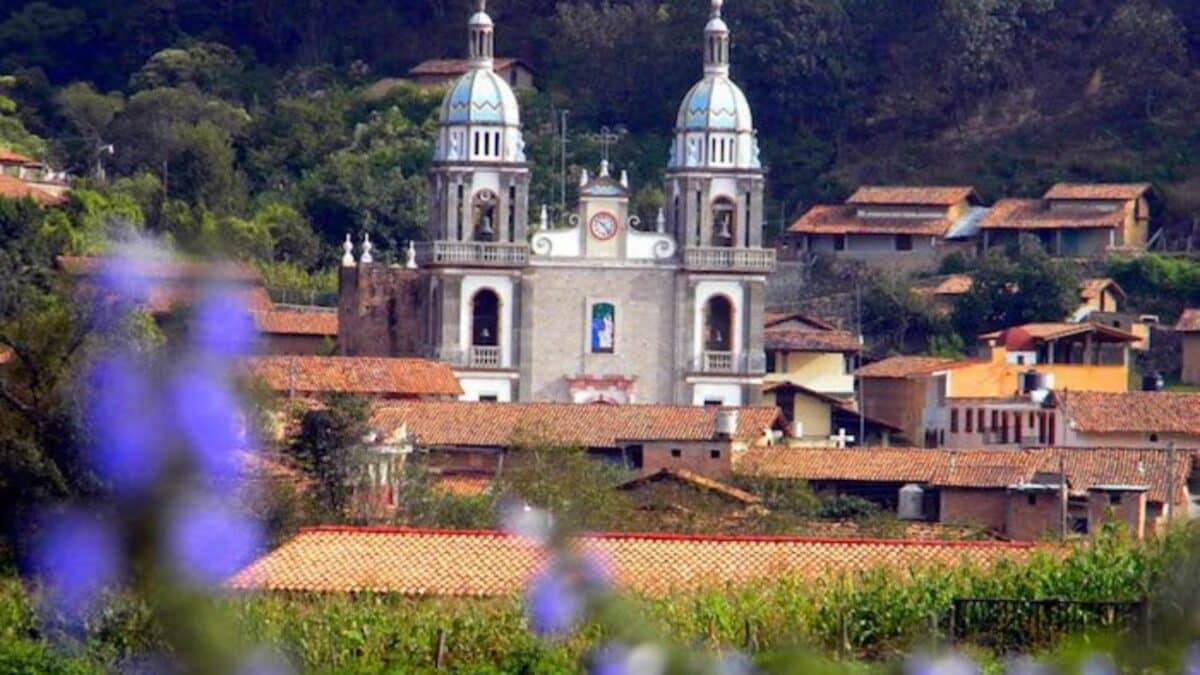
pixel 602 307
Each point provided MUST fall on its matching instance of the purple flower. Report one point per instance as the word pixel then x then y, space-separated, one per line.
pixel 264 662
pixel 734 663
pixel 1098 664
pixel 207 415
pixel 206 542
pixel 127 276
pixel 223 325
pixel 127 450
pixel 76 557
pixel 595 572
pixel 553 605
pixel 609 659
pixel 1191 660
pixel 951 664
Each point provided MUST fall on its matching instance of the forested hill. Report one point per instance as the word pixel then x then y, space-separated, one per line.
pixel 217 109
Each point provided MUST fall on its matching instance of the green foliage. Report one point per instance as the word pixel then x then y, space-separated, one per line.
pixel 847 507
pixel 296 285
pixel 953 263
pixel 896 319
pixel 1159 284
pixel 329 448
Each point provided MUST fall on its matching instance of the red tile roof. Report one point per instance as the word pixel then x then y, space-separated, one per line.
pixel 907 366
pixel 354 375
pixel 451 67
pixel 461 485
pixel 1092 288
pixel 1098 191
pixel 10 157
pixel 695 480
pixel 977 469
pixel 495 425
pixel 1189 321
pixel 1132 411
pixel 901 195
pixel 773 319
pixel 840 219
pixel 1025 336
pixel 297 322
pixel 484 564
pixel 15 188
pixel 799 340
pixel 1035 214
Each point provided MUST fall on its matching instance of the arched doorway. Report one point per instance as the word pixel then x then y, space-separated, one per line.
pixel 718 334
pixel 485 329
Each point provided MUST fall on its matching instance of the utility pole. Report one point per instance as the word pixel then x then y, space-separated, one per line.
pixel 1170 482
pixel 1062 494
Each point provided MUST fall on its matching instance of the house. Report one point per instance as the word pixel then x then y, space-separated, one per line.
pixel 1188 328
pixel 1131 419
pixel 945 291
pixel 15 188
pixel 907 228
pixel 1023 495
pixel 377 378
pixel 908 392
pixel 1081 356
pixel 686 501
pixel 298 331
pixel 1078 221
pixel 444 72
pixel 443 563
pixel 810 353
pixel 467 436
pixel 814 418
pixel 22 176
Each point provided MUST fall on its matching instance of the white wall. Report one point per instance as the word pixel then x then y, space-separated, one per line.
pixel 503 287
pixel 727 394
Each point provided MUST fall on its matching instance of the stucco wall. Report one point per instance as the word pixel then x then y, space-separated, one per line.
pixel 819 371
pixel 696 457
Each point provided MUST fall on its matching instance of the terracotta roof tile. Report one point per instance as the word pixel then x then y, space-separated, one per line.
pixel 10 157
pixel 839 219
pixel 798 340
pixel 773 319
pixel 470 424
pixel 1189 321
pixel 354 375
pixel 1092 288
pixel 696 480
pixel 461 485
pixel 450 67
pixel 1056 330
pixel 983 469
pixel 483 564
pixel 1132 411
pixel 297 322
pixel 15 188
pixel 916 195
pixel 1035 214
pixel 907 366
pixel 1098 191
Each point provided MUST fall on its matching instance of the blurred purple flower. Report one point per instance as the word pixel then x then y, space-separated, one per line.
pixel 264 662
pixel 528 522
pixel 154 663
pixel 950 664
pixel 609 659
pixel 128 451
pixel 76 556
pixel 1025 666
pixel 224 326
pixel 127 276
pixel 1098 664
pixel 595 571
pixel 207 415
pixel 1191 660
pixel 553 606
pixel 206 542
pixel 734 663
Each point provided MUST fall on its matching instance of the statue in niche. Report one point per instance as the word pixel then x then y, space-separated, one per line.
pixel 604 328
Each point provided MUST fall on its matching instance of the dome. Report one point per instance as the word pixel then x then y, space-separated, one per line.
pixel 481 97
pixel 715 103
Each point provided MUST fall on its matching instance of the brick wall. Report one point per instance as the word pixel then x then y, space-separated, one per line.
pixel 693 456
pixel 977 508
pixel 1026 521
pixel 379 311
pixel 1190 350
pixel 899 401
pixel 1127 507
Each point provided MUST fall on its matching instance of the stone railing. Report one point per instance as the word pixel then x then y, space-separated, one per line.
pixel 728 363
pixel 484 357
pixel 472 253
pixel 714 259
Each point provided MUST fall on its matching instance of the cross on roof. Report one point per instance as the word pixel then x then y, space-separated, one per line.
pixel 841 439
pixel 607 137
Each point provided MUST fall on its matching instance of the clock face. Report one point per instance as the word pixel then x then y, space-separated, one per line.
pixel 603 226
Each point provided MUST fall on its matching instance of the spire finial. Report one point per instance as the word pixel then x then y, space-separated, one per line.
pixel 482 5
pixel 367 247
pixel 410 261
pixel 716 8
pixel 716 43
pixel 348 254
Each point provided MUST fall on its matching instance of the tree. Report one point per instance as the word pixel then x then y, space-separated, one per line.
pixel 208 66
pixel 13 134
pixel 330 450
pixel 89 115
pixel 1020 285
pixel 1144 53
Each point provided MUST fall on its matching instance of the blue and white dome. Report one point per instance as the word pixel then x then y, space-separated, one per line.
pixel 715 103
pixel 481 97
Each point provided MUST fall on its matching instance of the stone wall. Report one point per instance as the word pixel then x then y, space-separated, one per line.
pixel 379 310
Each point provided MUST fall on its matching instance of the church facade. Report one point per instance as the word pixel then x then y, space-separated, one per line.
pixel 602 307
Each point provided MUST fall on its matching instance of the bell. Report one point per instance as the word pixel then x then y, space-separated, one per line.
pixel 725 233
pixel 485 228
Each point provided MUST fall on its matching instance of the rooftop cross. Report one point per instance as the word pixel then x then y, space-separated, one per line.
pixel 841 439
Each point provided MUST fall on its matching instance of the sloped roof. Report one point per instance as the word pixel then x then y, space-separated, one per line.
pixel 844 219
pixel 1092 288
pixel 1056 330
pixel 1035 214
pixel 1132 411
pixel 461 484
pixel 799 340
pixel 695 480
pixel 439 563
pixel 907 366
pixel 978 469
pixel 773 319
pixel 472 424
pixel 451 67
pixel 1189 321
pixel 914 195
pixel 1097 191
pixel 15 188
pixel 354 375
pixel 10 157
pixel 297 322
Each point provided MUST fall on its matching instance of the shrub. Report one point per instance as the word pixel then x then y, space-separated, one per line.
pixel 844 507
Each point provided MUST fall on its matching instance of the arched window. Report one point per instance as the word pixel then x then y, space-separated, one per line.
pixel 485 319
pixel 483 216
pixel 724 221
pixel 718 324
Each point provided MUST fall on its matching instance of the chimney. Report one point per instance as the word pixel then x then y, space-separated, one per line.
pixel 727 422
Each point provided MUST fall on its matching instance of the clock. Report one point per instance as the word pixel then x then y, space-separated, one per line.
pixel 603 226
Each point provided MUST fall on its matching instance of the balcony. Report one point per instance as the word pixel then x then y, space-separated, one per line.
pixel 484 357
pixel 471 254
pixel 713 259
pixel 728 363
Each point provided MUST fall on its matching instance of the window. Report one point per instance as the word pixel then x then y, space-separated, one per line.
pixel 485 319
pixel 1031 499
pixel 713 403
pixel 969 419
pixel 724 222
pixel 461 206
pixel 484 216
pixel 489 398
pixel 839 242
pixel 603 327
pixel 715 454
pixel 954 421
pixel 904 242
pixel 512 213
pixel 718 324
pixel 1114 499
pixel 772 361
pixel 1153 438
pixel 676 452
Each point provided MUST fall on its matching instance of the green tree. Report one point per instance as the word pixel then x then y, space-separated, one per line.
pixel 88 114
pixel 13 134
pixel 330 450
pixel 208 66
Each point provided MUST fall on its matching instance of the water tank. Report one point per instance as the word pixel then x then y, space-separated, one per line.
pixel 912 502
pixel 1152 382
pixel 1030 381
pixel 797 429
pixel 727 421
